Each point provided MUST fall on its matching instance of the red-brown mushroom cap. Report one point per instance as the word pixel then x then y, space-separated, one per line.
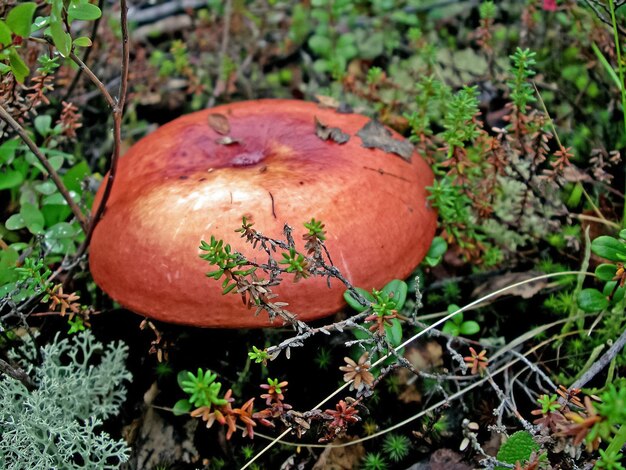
pixel 180 185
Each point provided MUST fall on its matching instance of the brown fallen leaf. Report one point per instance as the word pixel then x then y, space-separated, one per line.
pixel 330 133
pixel 525 291
pixel 219 123
pixel 375 135
pixel 409 393
pixel 426 356
pixel 340 458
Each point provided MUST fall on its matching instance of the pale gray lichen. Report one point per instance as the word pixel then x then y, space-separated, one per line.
pixel 78 384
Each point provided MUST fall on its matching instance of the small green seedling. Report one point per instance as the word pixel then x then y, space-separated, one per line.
pixel 456 326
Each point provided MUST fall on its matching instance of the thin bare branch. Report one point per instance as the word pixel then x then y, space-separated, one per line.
pixel 118 111
pixel 17 374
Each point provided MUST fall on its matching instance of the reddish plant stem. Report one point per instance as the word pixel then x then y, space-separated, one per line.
pixel 54 176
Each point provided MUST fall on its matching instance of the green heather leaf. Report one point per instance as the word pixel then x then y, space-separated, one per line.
pixel 592 300
pixel 609 248
pixel 83 11
pixel 18 67
pixel 605 271
pixel 622 234
pixel 5 34
pixel 10 179
pixel 20 18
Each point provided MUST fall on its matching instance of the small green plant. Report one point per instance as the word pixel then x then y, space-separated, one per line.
pixel 613 274
pixel 260 356
pixel 247 451
pixel 396 446
pixel 457 326
pixel 522 92
pixel 374 461
pixel 323 358
pixel 202 389
pixel 384 306
pixel 220 255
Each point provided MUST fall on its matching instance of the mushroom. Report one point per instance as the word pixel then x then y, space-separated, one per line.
pixel 267 160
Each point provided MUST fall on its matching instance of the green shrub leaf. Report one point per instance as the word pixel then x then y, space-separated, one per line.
pixel 10 179
pixel 33 218
pixel 62 40
pixel 609 248
pixel 82 41
pixel 605 271
pixel 592 300
pixel 15 222
pixel 20 18
pixel 18 67
pixel 469 328
pixel 181 407
pixel 5 34
pixel 83 11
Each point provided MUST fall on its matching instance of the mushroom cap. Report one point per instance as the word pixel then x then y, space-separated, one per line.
pixel 180 185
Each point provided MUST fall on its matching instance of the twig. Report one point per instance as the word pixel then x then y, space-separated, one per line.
pixel 78 213
pixel 595 7
pixel 118 110
pixel 96 81
pixel 228 11
pixel 17 374
pixel 94 31
pixel 601 363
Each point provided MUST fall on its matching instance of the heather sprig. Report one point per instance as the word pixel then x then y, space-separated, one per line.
pixel 522 91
